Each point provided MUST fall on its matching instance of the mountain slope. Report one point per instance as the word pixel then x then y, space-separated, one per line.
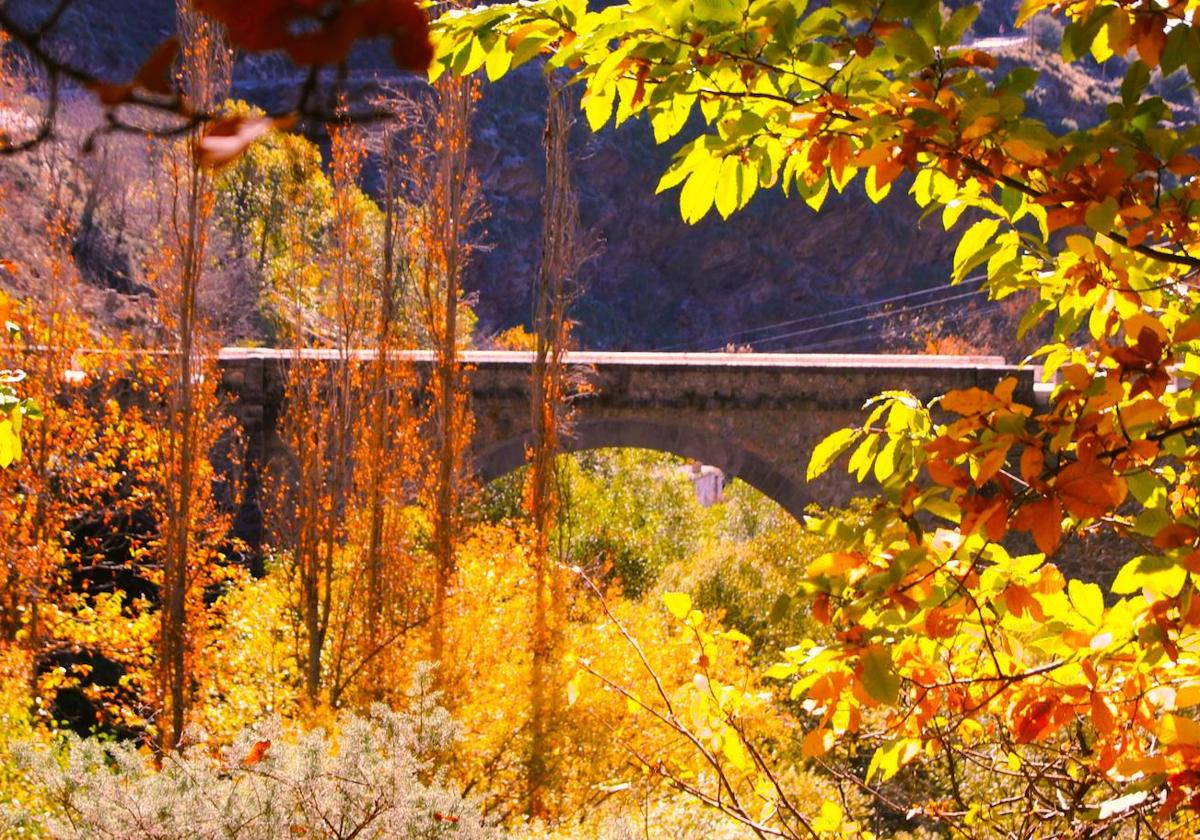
pixel 653 281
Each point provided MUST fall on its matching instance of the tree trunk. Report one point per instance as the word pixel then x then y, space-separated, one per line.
pixel 560 257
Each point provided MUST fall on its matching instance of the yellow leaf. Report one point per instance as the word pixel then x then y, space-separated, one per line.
pixel 829 821
pixel 1179 731
pixel 679 604
pixel 1187 695
pixel 1023 152
pixel 892 756
pixel 735 752
pixel 696 197
pixel 1087 599
pixel 10 444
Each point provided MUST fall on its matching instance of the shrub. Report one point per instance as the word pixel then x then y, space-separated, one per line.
pixel 371 778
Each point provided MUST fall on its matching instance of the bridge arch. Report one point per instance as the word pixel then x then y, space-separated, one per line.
pixel 736 461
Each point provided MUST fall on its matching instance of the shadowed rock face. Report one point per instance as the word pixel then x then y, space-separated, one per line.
pixel 655 281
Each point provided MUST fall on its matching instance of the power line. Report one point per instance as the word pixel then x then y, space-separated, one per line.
pixel 863 319
pixel 820 316
pixel 826 344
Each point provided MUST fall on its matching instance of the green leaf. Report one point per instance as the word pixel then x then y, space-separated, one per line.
pixel 958 24
pixel 724 11
pixel 828 450
pixel 1136 79
pixel 679 604
pixel 878 676
pixel 780 608
pixel 1176 50
pixel 1100 217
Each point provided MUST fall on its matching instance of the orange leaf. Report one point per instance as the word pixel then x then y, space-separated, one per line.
pixel 996 523
pixel 1043 519
pixel 1020 601
pixel 990 465
pixel 1151 39
pixel 979 128
pixel 1033 461
pixel 1102 716
pixel 256 754
pixel 817 743
pixel 977 58
pixel 839 156
pixel 820 609
pixel 969 401
pixel 947 475
pixel 1061 217
pixel 1050 580
pixel 1185 165
pixel 887 171
pixel 1089 489
pixel 1179 730
pixel 834 564
pixel 940 623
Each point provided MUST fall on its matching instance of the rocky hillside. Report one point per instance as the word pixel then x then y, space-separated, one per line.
pixel 655 282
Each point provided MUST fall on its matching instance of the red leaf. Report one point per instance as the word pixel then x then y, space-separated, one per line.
pixel 110 94
pixel 864 45
pixel 155 74
pixel 1174 536
pixel 314 33
pixel 1034 720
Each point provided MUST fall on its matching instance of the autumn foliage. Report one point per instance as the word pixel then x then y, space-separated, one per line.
pixel 1003 642
pixel 956 645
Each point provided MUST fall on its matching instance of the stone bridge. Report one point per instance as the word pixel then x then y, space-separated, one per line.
pixel 754 416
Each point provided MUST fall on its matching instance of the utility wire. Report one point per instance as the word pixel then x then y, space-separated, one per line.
pixel 820 315
pixel 863 319
pixel 825 344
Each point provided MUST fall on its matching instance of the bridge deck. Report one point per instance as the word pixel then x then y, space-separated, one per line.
pixel 655 359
